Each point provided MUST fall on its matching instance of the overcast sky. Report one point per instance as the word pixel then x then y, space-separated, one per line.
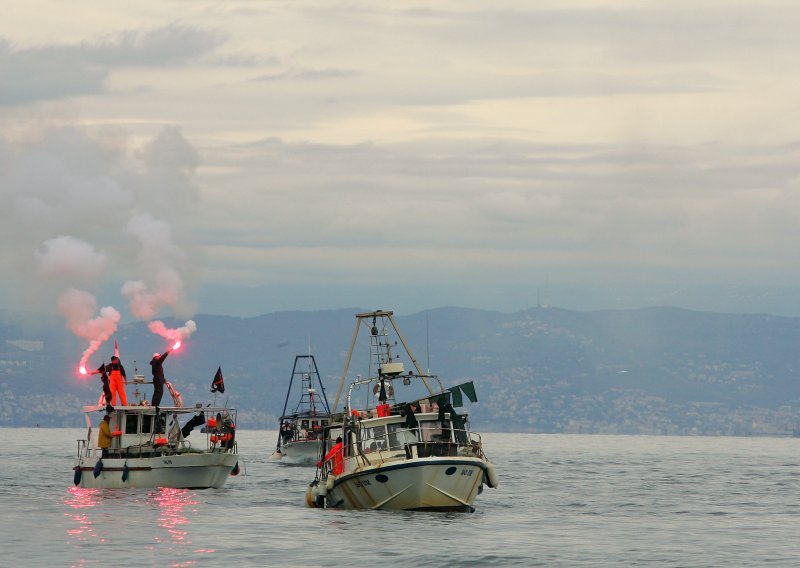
pixel 254 156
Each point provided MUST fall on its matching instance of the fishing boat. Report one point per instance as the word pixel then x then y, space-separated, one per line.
pixel 156 446
pixel 384 450
pixel 300 431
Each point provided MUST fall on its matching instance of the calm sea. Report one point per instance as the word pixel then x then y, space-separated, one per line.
pixel 564 501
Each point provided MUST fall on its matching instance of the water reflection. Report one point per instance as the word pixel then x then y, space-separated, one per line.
pixel 172 502
pixel 81 501
pixel 96 515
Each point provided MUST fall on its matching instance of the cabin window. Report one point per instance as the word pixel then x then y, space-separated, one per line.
pixel 132 424
pixel 304 425
pixel 400 436
pixel 147 424
pixel 432 431
pixel 373 439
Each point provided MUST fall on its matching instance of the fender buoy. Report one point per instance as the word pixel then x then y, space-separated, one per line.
pixel 77 478
pixel 235 470
pixel 125 472
pixel 98 467
pixel 311 497
pixel 491 476
pixel 329 483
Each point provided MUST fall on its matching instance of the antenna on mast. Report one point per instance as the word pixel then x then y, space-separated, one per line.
pixel 427 343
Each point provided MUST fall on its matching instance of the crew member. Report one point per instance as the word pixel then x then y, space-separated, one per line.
pixel 336 453
pixel 156 364
pixel 104 435
pixel 116 374
pixel 101 370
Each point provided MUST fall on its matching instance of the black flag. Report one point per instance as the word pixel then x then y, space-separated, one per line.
pixel 218 384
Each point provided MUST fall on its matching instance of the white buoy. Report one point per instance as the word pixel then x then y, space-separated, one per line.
pixel 491 475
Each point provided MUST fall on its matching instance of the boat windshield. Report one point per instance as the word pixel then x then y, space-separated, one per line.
pixel 432 431
pixel 373 439
pixel 399 436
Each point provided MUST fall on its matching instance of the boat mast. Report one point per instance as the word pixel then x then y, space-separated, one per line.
pixel 374 315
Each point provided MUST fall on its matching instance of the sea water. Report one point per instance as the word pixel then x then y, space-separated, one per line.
pixel 564 500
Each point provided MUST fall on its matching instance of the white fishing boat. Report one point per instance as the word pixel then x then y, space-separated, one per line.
pixel 387 451
pixel 300 431
pixel 159 447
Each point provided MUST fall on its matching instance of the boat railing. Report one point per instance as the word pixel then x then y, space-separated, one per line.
pixel 409 443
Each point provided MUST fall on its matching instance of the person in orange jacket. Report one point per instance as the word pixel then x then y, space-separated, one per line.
pixel 116 374
pixel 336 453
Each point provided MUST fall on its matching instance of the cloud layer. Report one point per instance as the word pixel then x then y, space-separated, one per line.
pixel 404 149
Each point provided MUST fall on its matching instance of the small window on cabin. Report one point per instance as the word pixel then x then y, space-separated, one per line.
pixel 373 439
pixel 132 424
pixel 304 424
pixel 431 430
pixel 399 435
pixel 147 424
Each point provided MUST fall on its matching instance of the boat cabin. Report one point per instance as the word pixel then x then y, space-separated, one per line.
pixel 140 431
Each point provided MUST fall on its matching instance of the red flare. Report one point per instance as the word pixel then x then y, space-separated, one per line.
pixel 82 370
pixel 176 345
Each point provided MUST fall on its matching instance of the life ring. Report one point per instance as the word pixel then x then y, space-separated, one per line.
pixel 389 390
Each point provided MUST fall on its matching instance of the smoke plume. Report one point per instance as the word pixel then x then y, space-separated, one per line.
pixel 177 335
pixel 79 308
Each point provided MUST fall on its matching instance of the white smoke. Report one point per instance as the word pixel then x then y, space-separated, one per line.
pixel 160 260
pixel 66 256
pixel 72 195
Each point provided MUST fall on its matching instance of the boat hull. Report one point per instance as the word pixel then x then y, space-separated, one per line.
pixel 425 484
pixel 300 452
pixel 185 471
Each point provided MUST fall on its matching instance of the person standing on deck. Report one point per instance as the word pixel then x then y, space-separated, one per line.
pixel 156 364
pixel 336 453
pixel 101 370
pixel 116 375
pixel 104 435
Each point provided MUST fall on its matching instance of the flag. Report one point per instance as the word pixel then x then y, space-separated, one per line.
pixel 116 348
pixel 218 384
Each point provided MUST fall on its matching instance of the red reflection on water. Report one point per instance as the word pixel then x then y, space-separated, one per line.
pixel 95 510
pixel 172 503
pixel 79 499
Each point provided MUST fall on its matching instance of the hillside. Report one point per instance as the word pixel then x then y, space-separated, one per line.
pixel 658 370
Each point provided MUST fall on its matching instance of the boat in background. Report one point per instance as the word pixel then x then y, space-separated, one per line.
pixel 384 451
pixel 151 447
pixel 300 431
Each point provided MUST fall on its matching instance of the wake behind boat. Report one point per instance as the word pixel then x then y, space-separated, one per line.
pixel 300 431
pixel 383 453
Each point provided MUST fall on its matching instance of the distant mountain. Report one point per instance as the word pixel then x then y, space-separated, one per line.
pixel 658 370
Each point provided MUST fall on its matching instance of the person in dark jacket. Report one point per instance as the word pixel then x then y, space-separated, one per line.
pixel 156 364
pixel 101 370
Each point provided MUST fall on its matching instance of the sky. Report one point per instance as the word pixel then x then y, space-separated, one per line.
pixel 178 157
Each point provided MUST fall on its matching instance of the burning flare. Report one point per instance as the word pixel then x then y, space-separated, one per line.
pixel 177 336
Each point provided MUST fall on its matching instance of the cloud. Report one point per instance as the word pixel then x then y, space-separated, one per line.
pixel 68 256
pixel 58 71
